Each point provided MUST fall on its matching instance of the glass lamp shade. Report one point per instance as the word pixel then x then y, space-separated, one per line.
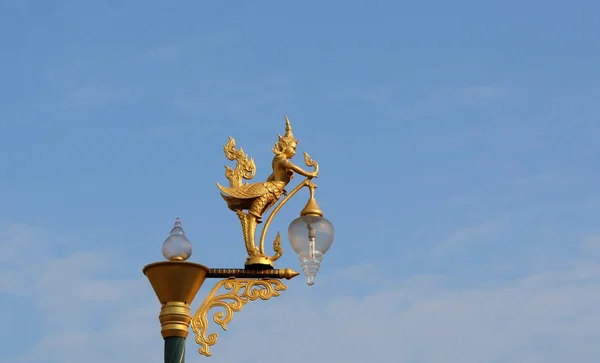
pixel 311 237
pixel 177 247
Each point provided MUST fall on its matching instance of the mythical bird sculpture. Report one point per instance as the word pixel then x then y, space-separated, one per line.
pixel 251 201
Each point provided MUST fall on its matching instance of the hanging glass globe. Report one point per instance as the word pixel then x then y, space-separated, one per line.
pixel 310 236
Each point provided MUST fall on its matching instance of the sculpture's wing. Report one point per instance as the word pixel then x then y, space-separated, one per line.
pixel 247 191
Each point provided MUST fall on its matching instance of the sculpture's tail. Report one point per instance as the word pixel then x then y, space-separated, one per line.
pixel 277 248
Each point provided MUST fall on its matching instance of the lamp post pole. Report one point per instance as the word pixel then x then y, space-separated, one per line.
pixel 174 350
pixel 176 281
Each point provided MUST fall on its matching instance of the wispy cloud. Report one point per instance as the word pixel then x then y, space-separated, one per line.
pixel 591 242
pixel 162 53
pixel 403 318
pixel 467 235
pixel 437 96
pixel 477 92
pixel 235 97
pixel 95 95
pixel 362 273
pixel 540 180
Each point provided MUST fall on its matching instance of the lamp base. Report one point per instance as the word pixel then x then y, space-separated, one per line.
pixel 175 280
pixel 175 319
pixel 258 263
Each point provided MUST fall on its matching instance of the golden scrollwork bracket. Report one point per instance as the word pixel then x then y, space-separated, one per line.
pixel 239 293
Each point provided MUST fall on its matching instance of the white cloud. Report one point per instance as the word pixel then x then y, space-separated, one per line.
pixel 243 94
pixel 96 95
pixel 535 182
pixel 467 235
pixel 591 242
pixel 165 53
pixel 472 93
pixel 549 317
pixel 546 318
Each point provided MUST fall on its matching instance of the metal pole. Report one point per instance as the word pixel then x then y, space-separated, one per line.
pixel 174 350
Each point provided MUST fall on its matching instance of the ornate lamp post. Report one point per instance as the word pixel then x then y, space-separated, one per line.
pixel 177 281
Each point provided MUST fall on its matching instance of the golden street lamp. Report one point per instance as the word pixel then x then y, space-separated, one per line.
pixel 177 281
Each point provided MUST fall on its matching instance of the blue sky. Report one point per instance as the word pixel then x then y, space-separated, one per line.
pixel 458 151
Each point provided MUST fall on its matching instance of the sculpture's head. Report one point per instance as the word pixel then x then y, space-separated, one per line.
pixel 290 150
pixel 286 144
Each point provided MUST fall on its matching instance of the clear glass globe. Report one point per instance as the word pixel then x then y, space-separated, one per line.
pixel 177 247
pixel 311 237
